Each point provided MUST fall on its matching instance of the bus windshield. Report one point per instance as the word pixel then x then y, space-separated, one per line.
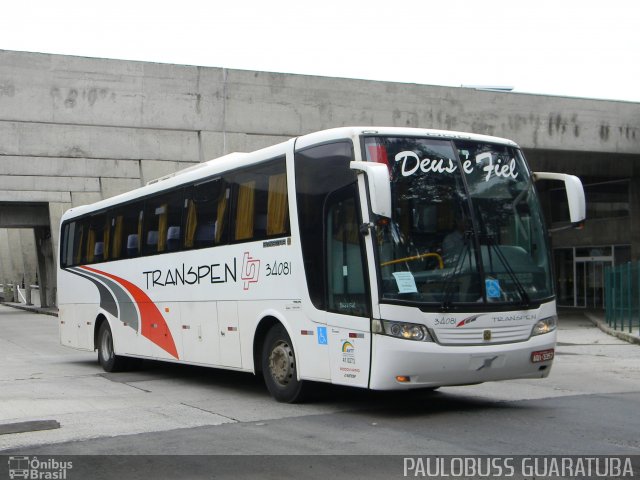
pixel 466 226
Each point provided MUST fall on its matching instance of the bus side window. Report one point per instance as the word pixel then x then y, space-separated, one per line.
pixel 95 236
pixel 277 205
pixel 126 223
pixel 245 210
pixel 78 242
pixel 163 216
pixel 261 206
pixel 205 214
pixel 68 247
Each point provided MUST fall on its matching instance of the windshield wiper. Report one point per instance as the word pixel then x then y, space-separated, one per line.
pixel 445 305
pixel 507 266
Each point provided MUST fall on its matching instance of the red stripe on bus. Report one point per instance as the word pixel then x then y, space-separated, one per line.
pixel 149 313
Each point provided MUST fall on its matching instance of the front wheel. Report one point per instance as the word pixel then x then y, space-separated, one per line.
pixel 279 367
pixel 109 361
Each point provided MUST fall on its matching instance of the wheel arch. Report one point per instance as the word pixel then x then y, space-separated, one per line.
pixel 266 323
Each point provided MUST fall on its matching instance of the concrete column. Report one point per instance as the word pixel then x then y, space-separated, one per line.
pixel 46 267
pixel 55 215
pixel 49 245
pixel 15 253
pixel 8 270
pixel 634 219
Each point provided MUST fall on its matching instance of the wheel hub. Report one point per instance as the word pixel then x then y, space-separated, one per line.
pixel 281 363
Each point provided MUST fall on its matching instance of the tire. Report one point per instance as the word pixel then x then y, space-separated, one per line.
pixel 279 367
pixel 109 361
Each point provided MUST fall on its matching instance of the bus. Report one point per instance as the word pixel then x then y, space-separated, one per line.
pixel 381 258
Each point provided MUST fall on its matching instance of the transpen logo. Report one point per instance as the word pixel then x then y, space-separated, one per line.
pixel 467 321
pixel 250 270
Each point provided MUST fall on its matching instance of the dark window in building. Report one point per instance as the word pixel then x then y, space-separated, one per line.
pixel 604 200
pixel 321 171
pixel 622 254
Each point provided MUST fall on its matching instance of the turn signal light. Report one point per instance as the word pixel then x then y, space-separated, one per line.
pixel 403 379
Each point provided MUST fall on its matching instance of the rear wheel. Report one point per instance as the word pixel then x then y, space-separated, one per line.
pixel 279 367
pixel 109 361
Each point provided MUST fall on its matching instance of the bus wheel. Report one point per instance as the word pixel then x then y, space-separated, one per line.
pixel 109 361
pixel 279 367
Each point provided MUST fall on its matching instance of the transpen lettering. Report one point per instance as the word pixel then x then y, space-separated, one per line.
pixel 193 275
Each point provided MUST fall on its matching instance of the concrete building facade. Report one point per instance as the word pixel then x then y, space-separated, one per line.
pixel 75 130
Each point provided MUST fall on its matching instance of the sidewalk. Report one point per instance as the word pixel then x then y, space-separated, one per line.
pixel 53 311
pixel 597 317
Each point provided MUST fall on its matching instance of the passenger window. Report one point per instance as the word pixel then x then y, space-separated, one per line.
pixel 78 243
pixel 261 202
pixel 95 239
pixel 206 214
pixel 245 210
pixel 163 216
pixel 126 223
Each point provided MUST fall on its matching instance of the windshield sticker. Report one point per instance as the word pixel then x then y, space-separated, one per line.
pixel 493 288
pixel 411 163
pixel 405 281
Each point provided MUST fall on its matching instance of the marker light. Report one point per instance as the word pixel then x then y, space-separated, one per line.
pixel 545 325
pixel 408 331
pixel 403 379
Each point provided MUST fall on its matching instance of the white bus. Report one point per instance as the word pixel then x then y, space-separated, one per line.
pixel 383 258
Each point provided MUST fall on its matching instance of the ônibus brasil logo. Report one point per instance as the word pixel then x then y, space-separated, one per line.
pixel 34 468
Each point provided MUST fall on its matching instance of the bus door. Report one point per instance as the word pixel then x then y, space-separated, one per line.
pixel 348 303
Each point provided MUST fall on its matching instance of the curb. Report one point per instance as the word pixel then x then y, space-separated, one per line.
pixel 627 337
pixel 42 311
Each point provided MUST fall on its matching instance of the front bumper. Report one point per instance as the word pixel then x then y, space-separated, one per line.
pixel 429 364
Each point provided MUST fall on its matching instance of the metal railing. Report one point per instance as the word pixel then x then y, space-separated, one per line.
pixel 622 296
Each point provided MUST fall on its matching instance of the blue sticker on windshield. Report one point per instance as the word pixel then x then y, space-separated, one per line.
pixel 322 335
pixel 493 288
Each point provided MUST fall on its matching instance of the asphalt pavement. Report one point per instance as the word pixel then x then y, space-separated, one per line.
pixel 588 405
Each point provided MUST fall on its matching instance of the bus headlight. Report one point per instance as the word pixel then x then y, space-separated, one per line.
pixel 408 331
pixel 545 325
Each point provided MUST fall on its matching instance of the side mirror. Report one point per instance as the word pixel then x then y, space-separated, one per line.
pixel 379 186
pixel 575 194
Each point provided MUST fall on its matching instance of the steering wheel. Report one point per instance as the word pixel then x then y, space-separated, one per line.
pixel 414 258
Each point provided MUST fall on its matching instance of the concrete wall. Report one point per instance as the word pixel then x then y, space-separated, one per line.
pixel 74 130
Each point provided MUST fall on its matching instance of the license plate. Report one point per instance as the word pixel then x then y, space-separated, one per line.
pixel 542 356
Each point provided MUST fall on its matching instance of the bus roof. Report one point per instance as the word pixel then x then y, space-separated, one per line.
pixel 236 160
pixel 354 132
